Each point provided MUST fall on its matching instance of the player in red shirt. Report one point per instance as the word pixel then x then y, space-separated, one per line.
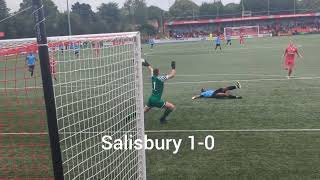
pixel 96 47
pixel 53 64
pixel 241 38
pixel 290 56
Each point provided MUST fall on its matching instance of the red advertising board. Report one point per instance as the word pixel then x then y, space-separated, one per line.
pixel 2 34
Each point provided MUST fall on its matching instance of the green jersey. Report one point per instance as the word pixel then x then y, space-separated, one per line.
pixel 158 85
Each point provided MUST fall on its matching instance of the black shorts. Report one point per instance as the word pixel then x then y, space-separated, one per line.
pixel 31 67
pixel 218 45
pixel 220 90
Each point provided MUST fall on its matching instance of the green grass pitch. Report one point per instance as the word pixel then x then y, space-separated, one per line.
pixel 272 133
pixel 271 102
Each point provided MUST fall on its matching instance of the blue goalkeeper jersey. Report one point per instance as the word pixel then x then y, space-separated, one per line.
pixel 31 59
pixel 208 93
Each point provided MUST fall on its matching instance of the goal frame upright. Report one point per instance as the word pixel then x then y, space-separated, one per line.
pixel 48 90
pixel 140 122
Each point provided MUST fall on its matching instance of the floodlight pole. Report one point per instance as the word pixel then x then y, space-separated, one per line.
pixel 48 92
pixel 69 22
pixel 294 6
pixel 242 7
pixel 268 7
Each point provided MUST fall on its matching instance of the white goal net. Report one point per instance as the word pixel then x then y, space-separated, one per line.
pixel 98 91
pixel 246 31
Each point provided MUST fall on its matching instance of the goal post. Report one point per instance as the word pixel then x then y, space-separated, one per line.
pixel 48 93
pixel 247 31
pixel 97 91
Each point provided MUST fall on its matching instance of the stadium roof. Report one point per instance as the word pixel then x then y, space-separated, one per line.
pixel 212 21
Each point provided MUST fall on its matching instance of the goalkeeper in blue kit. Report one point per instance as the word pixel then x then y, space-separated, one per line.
pixel 155 100
pixel 31 62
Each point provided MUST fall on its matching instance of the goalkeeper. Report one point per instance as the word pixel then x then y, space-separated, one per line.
pixel 31 62
pixel 219 93
pixel 157 90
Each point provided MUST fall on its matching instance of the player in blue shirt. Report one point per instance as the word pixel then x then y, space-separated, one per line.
pixel 31 62
pixel 219 93
pixel 218 42
pixel 76 48
pixel 151 42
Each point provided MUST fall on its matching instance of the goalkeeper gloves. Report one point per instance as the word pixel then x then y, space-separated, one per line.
pixel 173 65
pixel 145 63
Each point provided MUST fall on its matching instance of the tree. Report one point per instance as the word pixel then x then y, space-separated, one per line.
pixel 281 7
pixel 82 18
pixel 309 5
pixel 4 12
pixel 155 13
pixel 84 11
pixel 136 11
pixel 232 10
pixel 147 30
pixel 110 16
pixel 184 9
pixel 25 19
pixel 258 7
pixel 209 10
pixel 275 6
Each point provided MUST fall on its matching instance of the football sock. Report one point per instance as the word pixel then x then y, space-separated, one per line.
pixel 232 97
pixel 230 88
pixel 166 113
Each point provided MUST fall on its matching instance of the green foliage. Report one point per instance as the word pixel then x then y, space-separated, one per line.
pixel 210 10
pixel 4 12
pixel 147 30
pixel 232 9
pixel 134 15
pixel 136 11
pixel 109 16
pixel 309 5
pixel 185 9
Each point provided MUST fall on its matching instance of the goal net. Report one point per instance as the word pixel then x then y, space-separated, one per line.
pixel 97 91
pixel 246 31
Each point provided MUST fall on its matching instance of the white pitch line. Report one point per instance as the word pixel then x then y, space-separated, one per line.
pixel 183 131
pixel 199 75
pixel 244 80
pixel 199 82
pixel 232 130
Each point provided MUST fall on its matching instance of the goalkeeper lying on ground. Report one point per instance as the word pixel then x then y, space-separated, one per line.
pixel 219 93
pixel 157 90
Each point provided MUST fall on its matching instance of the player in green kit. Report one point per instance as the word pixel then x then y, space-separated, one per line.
pixel 155 100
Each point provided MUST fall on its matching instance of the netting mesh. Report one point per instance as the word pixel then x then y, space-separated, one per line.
pixel 98 91
pixel 24 147
pixel 251 31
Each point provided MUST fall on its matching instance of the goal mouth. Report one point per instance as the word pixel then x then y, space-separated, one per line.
pixel 246 31
pixel 98 91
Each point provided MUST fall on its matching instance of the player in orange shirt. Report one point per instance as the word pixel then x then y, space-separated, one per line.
pixel 290 56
